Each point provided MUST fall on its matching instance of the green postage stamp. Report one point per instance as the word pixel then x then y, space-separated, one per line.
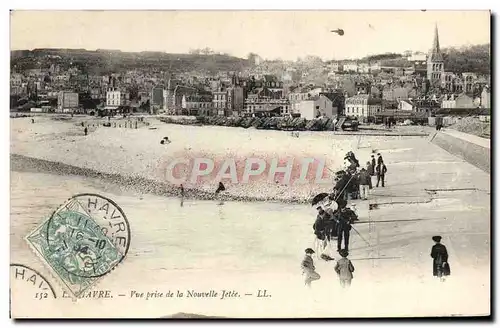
pixel 82 241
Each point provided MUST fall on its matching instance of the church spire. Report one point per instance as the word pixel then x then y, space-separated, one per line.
pixel 436 50
pixel 435 45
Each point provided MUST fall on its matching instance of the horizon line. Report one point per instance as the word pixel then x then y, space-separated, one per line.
pixel 235 56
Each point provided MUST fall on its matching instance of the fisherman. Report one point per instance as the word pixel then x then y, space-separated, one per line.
pixel 308 268
pixel 381 171
pixel 439 254
pixel 344 269
pixel 342 180
pixel 364 183
pixel 345 219
pixel 85 130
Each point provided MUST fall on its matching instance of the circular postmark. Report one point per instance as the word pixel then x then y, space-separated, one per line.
pixel 87 236
pixel 26 282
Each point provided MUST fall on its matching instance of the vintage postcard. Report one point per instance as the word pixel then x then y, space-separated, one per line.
pixel 250 164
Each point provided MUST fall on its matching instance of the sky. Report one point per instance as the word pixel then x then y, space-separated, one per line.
pixel 271 34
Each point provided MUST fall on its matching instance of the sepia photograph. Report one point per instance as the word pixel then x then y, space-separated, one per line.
pixel 250 164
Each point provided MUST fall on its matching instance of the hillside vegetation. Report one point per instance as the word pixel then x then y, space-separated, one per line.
pixel 476 59
pixel 109 61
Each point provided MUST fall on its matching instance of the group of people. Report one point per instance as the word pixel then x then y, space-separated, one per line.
pixel 344 268
pixel 165 140
pixel 354 182
pixel 334 222
pixel 334 219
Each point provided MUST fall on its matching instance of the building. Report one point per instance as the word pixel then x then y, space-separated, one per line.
pixel 67 101
pixel 235 100
pixel 435 61
pixel 262 105
pixel 362 106
pixel 173 95
pixel 301 94
pixel 391 93
pixel 457 101
pixel 220 102
pixel 116 97
pixel 375 67
pixel 406 105
pixel 157 97
pixel 350 67
pixel 16 80
pixel 317 106
pixel 335 67
pixel 468 82
pixel 486 98
pixel 364 68
pixel 198 105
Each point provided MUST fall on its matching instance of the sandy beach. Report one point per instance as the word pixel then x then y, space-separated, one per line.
pixel 137 153
pixel 250 246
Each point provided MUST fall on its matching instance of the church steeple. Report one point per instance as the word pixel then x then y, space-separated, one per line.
pixel 435 60
pixel 435 52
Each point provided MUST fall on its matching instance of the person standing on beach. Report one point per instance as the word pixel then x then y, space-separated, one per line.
pixel 371 172
pixel 439 254
pixel 220 189
pixel 344 269
pixel 308 269
pixel 379 159
pixel 364 183
pixel 381 171
pixel 182 195
pixel 85 130
pixel 344 227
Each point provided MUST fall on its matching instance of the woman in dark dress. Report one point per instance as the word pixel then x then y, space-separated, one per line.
pixel 439 254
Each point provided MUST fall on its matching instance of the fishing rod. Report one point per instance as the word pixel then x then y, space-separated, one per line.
pixel 392 221
pixel 377 258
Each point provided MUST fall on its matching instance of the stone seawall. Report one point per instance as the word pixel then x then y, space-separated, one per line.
pixel 472 153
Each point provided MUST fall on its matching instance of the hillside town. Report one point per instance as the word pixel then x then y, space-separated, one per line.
pixel 412 86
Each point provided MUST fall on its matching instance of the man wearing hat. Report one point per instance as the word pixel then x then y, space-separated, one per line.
pixel 308 268
pixel 439 254
pixel 344 269
pixel 379 159
pixel 345 218
pixel 320 223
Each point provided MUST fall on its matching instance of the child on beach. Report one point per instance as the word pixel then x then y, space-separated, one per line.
pixel 308 268
pixel 344 269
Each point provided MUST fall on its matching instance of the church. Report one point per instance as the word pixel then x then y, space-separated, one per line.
pixel 435 61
